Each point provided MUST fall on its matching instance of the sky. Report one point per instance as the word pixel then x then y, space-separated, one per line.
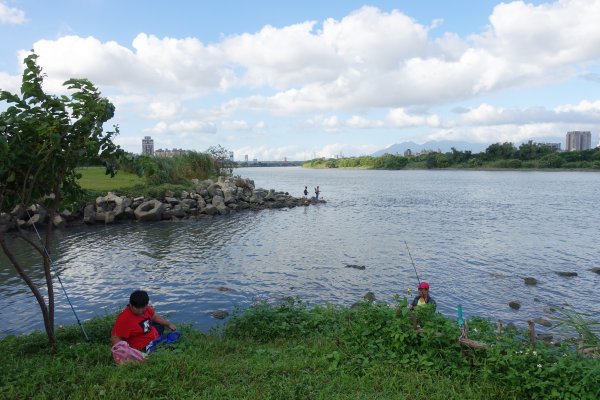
pixel 278 80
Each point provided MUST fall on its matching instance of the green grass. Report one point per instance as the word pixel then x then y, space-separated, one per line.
pixel 95 179
pixel 209 367
pixel 290 351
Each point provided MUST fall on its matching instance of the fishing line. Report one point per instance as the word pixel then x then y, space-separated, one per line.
pixel 59 280
pixel 413 263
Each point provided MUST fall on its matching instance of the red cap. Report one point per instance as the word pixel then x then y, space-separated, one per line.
pixel 423 285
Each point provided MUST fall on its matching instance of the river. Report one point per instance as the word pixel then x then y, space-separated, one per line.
pixel 473 235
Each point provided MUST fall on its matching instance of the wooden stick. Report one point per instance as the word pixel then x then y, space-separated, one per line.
pixel 532 337
pixel 499 331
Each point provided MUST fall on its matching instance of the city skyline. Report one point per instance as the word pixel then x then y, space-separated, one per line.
pixel 272 80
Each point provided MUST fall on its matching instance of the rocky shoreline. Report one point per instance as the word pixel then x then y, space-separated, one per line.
pixel 208 198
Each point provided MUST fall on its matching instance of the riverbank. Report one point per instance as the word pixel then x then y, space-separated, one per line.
pixel 290 351
pixel 204 198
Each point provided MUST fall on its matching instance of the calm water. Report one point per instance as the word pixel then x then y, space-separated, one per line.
pixel 473 235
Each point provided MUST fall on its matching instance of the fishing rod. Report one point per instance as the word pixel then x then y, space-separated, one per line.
pixel 413 263
pixel 59 280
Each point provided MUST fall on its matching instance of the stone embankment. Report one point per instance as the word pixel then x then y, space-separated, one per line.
pixel 227 195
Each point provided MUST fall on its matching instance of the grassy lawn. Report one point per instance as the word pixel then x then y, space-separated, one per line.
pixel 95 179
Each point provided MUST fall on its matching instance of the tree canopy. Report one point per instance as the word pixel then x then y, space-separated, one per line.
pixel 43 139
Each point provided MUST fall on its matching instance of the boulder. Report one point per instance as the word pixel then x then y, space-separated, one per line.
pixel 19 212
pixel 212 190
pixel 229 195
pixel 595 269
pixel 515 305
pixel 542 321
pixel 171 200
pixel 219 314
pixel 531 281
pixel 89 214
pixel 209 210
pixel 566 273
pixel 150 210
pixel 6 222
pixel 369 296
pixel 59 222
pixel 219 204
pixel 361 267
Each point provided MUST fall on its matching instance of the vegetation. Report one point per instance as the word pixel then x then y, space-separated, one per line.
pixel 498 155
pixel 43 139
pixel 291 351
pixel 171 170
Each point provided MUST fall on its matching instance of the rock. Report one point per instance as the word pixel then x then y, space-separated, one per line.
pixel 219 314
pixel 595 269
pixel 59 222
pixel 566 273
pixel 150 210
pixel 6 222
pixel 89 214
pixel 224 289
pixel 19 212
pixel 361 267
pixel 171 200
pixel 369 296
pixel 515 305
pixel 542 321
pixel 545 337
pixel 219 204
pixel 531 281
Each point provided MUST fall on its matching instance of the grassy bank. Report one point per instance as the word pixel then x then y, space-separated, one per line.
pixel 96 183
pixel 96 179
pixel 290 351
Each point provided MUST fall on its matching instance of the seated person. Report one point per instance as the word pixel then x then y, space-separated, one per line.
pixel 138 324
pixel 423 298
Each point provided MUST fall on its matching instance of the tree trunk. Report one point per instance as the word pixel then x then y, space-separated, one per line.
pixel 48 323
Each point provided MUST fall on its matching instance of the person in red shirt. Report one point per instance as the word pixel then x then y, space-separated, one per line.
pixel 138 324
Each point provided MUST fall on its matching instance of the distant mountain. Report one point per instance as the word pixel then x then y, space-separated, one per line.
pixel 442 145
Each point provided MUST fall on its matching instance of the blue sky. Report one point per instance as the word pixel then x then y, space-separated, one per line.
pixel 273 79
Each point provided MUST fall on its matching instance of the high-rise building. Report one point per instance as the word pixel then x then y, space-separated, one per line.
pixel 147 146
pixel 579 140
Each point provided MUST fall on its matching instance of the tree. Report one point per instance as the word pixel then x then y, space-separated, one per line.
pixel 43 139
pixel 497 151
pixel 223 159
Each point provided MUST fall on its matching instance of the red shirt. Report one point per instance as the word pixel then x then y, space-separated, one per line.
pixel 136 330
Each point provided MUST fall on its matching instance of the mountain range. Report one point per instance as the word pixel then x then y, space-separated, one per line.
pixel 445 146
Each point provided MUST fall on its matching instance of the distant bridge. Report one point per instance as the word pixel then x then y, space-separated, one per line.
pixel 269 164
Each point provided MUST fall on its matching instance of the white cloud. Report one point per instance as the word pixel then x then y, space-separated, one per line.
pixel 9 15
pixel 486 115
pixel 237 125
pixel 356 121
pixel 400 118
pixel 162 109
pixel 9 83
pixel 334 74
pixel 183 128
pixel 367 60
